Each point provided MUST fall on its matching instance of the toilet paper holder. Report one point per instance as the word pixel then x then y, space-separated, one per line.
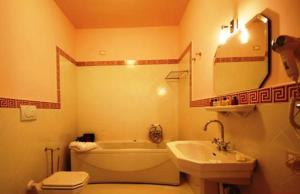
pixel 52 150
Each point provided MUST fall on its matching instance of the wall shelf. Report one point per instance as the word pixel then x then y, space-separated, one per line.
pixel 244 109
pixel 176 74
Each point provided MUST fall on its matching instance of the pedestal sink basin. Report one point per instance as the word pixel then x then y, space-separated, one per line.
pixel 201 159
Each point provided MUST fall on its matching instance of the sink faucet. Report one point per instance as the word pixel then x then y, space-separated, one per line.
pixel 221 144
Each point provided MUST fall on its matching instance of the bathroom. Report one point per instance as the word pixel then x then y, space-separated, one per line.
pixel 100 66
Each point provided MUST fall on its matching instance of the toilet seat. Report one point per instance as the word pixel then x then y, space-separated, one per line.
pixel 64 180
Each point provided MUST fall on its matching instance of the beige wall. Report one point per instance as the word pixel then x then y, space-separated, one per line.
pixel 127 43
pixel 28 71
pixel 22 143
pixel 30 31
pixel 120 103
pixel 190 120
pixel 117 102
pixel 201 24
pixel 265 134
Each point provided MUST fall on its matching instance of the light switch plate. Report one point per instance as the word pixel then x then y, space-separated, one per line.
pixel 28 112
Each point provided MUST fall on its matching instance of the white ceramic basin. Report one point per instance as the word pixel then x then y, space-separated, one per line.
pixel 203 160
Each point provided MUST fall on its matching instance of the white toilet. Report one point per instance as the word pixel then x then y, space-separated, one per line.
pixel 63 182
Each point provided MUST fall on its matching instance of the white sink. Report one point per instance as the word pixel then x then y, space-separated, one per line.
pixel 203 160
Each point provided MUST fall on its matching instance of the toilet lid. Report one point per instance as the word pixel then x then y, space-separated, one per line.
pixel 65 180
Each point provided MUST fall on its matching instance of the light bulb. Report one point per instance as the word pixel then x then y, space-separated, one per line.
pixel 223 36
pixel 130 63
pixel 244 36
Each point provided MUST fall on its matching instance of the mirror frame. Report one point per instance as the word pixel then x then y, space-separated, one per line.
pixel 269 47
pixel 268 53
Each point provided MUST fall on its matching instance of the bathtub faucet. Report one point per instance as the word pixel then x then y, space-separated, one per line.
pixel 221 144
pixel 155 133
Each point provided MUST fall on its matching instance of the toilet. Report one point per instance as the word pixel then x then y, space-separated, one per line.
pixel 62 182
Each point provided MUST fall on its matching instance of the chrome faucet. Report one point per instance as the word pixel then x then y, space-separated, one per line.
pixel 221 144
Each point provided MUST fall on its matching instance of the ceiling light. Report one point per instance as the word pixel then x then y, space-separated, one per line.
pixel 130 63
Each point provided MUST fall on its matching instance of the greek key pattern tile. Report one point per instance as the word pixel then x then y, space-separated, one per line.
pixel 239 59
pixel 275 94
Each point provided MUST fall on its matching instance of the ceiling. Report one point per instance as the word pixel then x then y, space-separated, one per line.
pixel 122 13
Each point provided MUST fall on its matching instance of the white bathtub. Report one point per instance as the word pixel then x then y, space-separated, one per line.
pixel 127 161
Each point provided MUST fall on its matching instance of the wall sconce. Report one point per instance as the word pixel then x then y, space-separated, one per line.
pixel 226 31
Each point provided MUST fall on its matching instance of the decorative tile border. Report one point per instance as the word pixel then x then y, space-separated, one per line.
pixel 121 62
pixel 15 103
pixel 293 90
pixel 99 63
pixel 263 95
pixel 158 62
pixel 239 59
pixel 275 94
pixel 65 55
pixel 188 49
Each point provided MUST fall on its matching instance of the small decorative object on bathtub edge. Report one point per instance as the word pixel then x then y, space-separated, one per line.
pixel 155 133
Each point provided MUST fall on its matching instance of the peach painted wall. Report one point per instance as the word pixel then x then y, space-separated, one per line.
pixel 127 43
pixel 190 120
pixel 30 32
pixel 265 134
pixel 117 102
pixel 22 143
pixel 201 24
pixel 120 103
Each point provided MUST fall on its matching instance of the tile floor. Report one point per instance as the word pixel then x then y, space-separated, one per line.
pixel 136 189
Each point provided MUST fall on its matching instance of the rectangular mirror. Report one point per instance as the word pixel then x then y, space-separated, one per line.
pixel 243 62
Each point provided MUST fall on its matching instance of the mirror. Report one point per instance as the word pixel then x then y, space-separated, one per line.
pixel 243 62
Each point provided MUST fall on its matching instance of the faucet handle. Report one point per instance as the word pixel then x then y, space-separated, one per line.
pixel 215 140
pixel 218 142
pixel 227 143
pixel 226 146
